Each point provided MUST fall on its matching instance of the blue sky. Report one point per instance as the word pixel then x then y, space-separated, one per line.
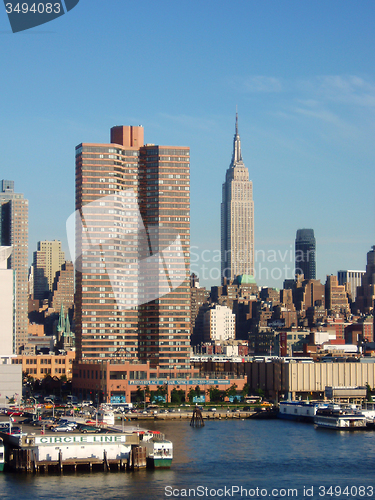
pixel 301 73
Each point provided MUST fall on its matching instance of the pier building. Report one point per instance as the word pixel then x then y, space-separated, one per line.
pixel 111 381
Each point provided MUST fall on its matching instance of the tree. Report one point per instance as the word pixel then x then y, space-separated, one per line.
pixel 191 395
pixel 177 396
pixel 215 394
pixel 260 393
pixel 139 396
pixel 245 390
pixel 232 391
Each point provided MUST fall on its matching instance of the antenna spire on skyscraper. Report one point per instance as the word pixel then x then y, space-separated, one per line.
pixel 237 156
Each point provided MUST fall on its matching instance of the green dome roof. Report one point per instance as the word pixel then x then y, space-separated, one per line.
pixel 246 279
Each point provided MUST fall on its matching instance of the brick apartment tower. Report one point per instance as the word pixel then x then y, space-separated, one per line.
pixel 63 288
pixel 103 330
pixel 47 261
pixel 366 292
pixel 154 181
pixel 164 198
pixel 14 230
pixel 237 217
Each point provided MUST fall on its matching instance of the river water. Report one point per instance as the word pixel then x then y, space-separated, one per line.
pixel 264 458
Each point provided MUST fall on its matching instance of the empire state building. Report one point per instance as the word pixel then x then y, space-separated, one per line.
pixel 237 217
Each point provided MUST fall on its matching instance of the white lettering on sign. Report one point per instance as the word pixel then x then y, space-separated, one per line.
pixel 106 438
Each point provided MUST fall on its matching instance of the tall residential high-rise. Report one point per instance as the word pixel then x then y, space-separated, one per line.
pixel 366 292
pixel 353 278
pixel 132 246
pixel 48 260
pixel 63 288
pixel 336 298
pixel 305 254
pixel 103 329
pixel 14 233
pixel 6 304
pixel 219 324
pixel 164 199
pixel 237 217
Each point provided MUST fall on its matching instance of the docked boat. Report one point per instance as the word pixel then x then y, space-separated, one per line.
pixel 337 417
pixel 303 411
pixel 368 410
pixel 159 454
pixel 159 451
pixel 1 455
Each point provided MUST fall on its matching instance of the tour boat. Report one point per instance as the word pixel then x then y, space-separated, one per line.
pixel 337 417
pixel 298 410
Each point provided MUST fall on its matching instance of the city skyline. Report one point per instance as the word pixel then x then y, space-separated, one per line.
pixel 305 90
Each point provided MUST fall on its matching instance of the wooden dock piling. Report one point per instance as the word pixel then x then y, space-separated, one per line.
pixel 197 418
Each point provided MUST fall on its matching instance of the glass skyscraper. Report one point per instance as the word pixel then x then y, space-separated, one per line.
pixel 305 254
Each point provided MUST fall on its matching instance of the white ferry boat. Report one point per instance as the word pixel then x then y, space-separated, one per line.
pixel 336 417
pixel 159 451
pixel 303 411
pixel 368 410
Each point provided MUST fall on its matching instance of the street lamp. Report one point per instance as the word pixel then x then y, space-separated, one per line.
pixel 35 404
pixel 10 422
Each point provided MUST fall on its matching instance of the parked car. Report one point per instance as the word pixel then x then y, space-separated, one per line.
pixel 44 421
pixel 68 423
pixel 62 428
pixel 14 430
pixel 28 420
pixel 89 428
